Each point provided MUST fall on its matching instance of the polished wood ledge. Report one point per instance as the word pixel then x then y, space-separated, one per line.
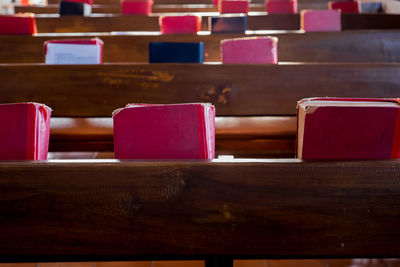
pixel 255 21
pixel 250 136
pixel 132 210
pixel 116 9
pixel 294 46
pixel 235 89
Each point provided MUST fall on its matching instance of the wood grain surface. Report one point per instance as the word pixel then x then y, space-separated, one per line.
pixel 348 46
pixel 256 21
pixel 116 9
pixel 235 90
pixel 166 210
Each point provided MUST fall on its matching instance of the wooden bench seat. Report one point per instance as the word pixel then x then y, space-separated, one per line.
pixel 116 9
pixel 347 46
pixel 220 209
pixel 256 21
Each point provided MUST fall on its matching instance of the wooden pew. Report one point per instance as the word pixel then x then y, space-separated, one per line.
pixel 116 9
pixel 257 21
pixel 149 210
pixel 318 4
pixel 347 46
pixel 266 93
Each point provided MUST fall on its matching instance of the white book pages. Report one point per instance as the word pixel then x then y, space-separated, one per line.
pixel 73 54
pixel 87 10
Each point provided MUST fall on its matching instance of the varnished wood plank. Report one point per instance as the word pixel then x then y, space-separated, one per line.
pixel 239 148
pixel 97 90
pixel 179 2
pixel 348 46
pixel 135 210
pixel 238 136
pixel 97 24
pixel 115 22
pixel 116 9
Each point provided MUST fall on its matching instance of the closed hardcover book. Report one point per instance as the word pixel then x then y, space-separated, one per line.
pixel 188 24
pixel 228 24
pixel 177 131
pixel 348 128
pixel 171 52
pixel 233 6
pixel 25 131
pixel 75 7
pixel 346 7
pixel 19 24
pixel 133 7
pixel 371 7
pixel 250 50
pixel 321 20
pixel 73 51
pixel 281 6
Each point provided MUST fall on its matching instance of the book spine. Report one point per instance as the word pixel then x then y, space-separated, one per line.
pixel 31 131
pixel 396 138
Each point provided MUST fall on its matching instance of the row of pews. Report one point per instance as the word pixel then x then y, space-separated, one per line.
pixel 269 205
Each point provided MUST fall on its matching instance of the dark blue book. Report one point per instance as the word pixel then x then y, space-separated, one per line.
pixel 372 7
pixel 74 8
pixel 228 24
pixel 170 52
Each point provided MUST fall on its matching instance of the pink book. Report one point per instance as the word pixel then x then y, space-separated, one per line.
pixel 250 50
pixel 281 6
pixel 346 7
pixel 188 24
pixel 233 6
pixel 321 20
pixel 129 7
pixel 24 23
pixel 177 131
pixel 25 132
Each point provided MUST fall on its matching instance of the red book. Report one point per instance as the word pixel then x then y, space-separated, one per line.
pixel 178 131
pixel 25 131
pixel 188 24
pixel 348 128
pixel 233 6
pixel 129 7
pixel 348 7
pixel 24 23
pixel 281 6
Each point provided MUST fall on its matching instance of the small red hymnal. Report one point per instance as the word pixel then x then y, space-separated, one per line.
pixel 22 24
pixel 348 128
pixel 136 7
pixel 346 7
pixel 177 131
pixel 25 131
pixel 188 24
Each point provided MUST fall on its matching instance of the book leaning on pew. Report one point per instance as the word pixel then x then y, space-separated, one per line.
pixel 73 51
pixel 75 7
pixel 348 128
pixel 18 24
pixel 176 131
pixel 25 131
